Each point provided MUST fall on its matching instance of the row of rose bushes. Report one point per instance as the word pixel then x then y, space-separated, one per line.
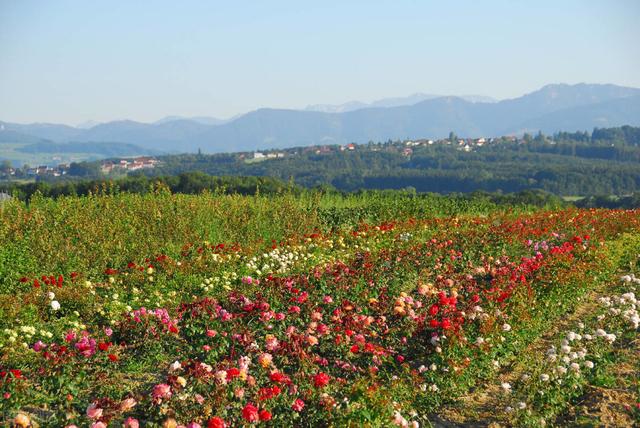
pixel 316 330
pixel 577 356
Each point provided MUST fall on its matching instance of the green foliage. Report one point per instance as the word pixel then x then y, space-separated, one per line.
pixel 608 201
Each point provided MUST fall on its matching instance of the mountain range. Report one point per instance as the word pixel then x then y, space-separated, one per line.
pixel 556 107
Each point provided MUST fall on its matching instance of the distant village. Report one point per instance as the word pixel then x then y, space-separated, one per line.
pixel 405 147
pixel 38 171
pixel 123 165
pixel 126 165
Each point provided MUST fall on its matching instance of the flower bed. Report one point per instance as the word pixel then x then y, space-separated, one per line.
pixel 374 325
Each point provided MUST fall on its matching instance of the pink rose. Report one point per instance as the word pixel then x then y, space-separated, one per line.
pixel 161 391
pixel 298 405
pixel 131 423
pixel 127 404
pixel 39 346
pixel 93 411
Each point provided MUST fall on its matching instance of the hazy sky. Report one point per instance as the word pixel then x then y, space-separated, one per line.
pixel 73 61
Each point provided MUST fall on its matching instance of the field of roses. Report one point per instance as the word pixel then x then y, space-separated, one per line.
pixel 223 311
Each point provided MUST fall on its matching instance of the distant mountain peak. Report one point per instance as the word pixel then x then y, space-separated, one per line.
pixel 600 89
pixel 392 102
pixel 204 120
pixel 88 124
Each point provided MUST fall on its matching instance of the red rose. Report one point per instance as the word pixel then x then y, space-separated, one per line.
pixel 320 380
pixel 294 309
pixel 279 377
pixel 250 413
pixel 265 415
pixel 216 422
pixel 298 405
pixel 433 310
pixel 233 373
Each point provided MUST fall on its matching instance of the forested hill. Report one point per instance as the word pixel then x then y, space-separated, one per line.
pixel 604 162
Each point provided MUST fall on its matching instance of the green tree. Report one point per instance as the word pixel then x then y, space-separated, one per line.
pixel 5 166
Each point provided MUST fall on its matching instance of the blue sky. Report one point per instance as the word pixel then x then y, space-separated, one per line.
pixel 73 61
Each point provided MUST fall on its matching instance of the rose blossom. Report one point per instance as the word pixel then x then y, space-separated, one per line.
pixel 131 423
pixel 160 391
pixel 320 380
pixel 216 422
pixel 93 411
pixel 127 404
pixel 298 405
pixel 250 413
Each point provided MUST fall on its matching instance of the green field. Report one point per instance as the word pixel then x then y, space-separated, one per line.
pixel 9 151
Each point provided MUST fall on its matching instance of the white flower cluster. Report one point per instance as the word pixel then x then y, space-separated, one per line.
pixel 626 305
pixel 225 280
pixel 278 260
pixel 405 236
pixel 24 335
pixel 571 355
pixel 630 278
pixel 629 310
pixel 55 305
pixel 478 312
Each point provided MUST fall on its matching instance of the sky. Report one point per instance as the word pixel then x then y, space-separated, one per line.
pixel 75 61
